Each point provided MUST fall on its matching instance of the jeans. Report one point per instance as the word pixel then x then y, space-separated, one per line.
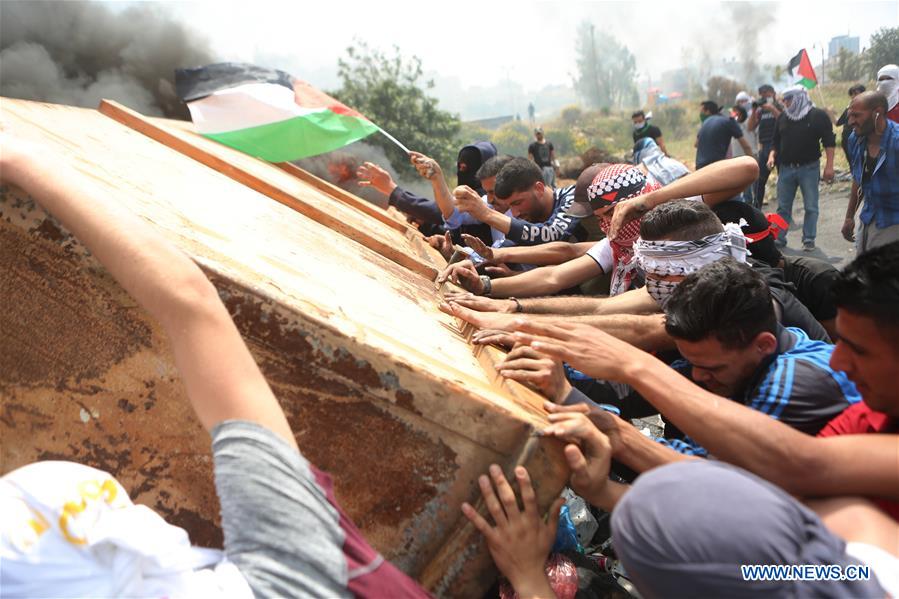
pixel 549 176
pixel 806 178
pixel 759 187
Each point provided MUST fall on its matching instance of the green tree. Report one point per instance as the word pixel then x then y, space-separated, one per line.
pixel 389 90
pixel 606 69
pixel 884 49
pixel 846 67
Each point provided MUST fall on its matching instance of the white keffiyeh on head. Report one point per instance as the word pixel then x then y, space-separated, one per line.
pixel 800 102
pixel 888 84
pixel 681 258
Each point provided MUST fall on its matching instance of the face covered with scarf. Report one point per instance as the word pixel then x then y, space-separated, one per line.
pixel 797 102
pixel 611 185
pixel 888 84
pixel 667 263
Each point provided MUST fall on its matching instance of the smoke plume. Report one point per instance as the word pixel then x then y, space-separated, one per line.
pixel 79 52
pixel 749 20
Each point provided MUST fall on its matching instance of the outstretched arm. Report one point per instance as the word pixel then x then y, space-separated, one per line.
pixel 222 379
pixel 801 464
pixel 716 183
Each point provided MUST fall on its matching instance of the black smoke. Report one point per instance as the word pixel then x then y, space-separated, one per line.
pixel 79 52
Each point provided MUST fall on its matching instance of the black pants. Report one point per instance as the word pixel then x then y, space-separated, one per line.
pixel 759 194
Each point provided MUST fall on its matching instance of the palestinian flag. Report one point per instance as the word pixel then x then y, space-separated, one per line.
pixel 267 113
pixel 804 73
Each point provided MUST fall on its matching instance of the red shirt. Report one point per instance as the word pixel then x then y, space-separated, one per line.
pixel 893 115
pixel 859 419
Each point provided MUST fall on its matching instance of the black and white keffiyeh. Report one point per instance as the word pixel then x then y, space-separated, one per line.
pixel 680 258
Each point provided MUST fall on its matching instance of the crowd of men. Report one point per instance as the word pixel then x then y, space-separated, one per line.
pixel 774 375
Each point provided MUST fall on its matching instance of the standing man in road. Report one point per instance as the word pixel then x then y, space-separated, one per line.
pixel 762 120
pixel 542 152
pixel 800 131
pixel 874 161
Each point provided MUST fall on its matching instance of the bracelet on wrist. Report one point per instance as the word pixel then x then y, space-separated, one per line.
pixel 518 307
pixel 488 285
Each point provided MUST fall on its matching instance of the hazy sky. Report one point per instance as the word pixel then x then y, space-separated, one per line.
pixel 529 42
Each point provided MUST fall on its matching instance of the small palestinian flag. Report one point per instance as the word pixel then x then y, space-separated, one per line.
pixel 267 113
pixel 804 73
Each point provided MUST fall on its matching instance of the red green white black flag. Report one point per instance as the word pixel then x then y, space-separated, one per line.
pixel 800 69
pixel 267 113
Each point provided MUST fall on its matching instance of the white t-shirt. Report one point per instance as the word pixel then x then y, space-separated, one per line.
pixel 601 252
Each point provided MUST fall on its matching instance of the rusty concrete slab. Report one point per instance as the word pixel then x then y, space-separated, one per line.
pixel 381 389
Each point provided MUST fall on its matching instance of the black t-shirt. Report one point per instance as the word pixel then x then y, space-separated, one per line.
pixel 792 312
pixel 813 279
pixel 651 131
pixel 799 142
pixel 714 138
pixel 541 153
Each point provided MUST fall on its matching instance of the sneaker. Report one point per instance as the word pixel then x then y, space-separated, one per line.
pixel 808 246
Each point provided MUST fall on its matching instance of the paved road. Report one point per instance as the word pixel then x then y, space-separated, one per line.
pixel 832 209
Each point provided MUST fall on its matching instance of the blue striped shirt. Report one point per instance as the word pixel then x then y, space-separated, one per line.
pixel 796 385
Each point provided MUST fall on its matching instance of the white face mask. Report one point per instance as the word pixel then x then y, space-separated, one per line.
pixel 639 126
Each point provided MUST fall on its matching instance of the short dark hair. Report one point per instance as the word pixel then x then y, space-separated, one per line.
pixel 856 89
pixel 767 87
pixel 638 113
pixel 519 174
pixel 869 286
pixel 492 167
pixel 725 300
pixel 711 106
pixel 679 220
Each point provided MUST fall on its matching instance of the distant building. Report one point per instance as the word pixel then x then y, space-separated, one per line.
pixel 842 41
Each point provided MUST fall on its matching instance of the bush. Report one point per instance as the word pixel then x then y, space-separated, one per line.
pixel 671 119
pixel 513 138
pixel 572 115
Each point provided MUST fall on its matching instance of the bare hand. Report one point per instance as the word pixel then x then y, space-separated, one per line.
pixel 526 365
pixel 589 453
pixel 427 167
pixel 608 423
pixel 468 200
pixel 372 175
pixel 848 229
pixel 770 163
pixel 828 173
pixel 443 244
pixel 480 303
pixel 625 212
pixel 519 541
pixel 584 347
pixel 482 249
pixel 463 274
pixel 501 339
pixel 482 320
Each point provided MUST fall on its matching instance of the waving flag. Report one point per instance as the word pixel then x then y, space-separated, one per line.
pixel 267 113
pixel 805 74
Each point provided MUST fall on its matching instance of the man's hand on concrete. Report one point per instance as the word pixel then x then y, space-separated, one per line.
pixel 372 175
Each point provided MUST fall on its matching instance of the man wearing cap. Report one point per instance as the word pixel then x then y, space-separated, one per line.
pixel 543 154
pixel 715 135
pixel 800 131
pixel 762 120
